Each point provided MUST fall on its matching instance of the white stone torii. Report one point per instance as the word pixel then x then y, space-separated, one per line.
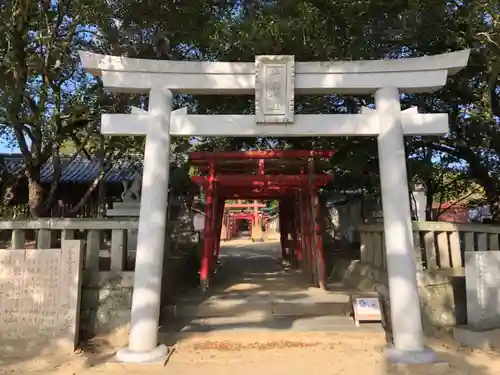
pixel 275 80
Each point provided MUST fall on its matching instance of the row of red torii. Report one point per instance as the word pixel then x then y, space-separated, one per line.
pixel 236 212
pixel 257 223
pixel 259 175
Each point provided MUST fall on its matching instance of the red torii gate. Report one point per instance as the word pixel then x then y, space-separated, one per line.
pixel 230 217
pixel 233 218
pixel 244 205
pixel 261 175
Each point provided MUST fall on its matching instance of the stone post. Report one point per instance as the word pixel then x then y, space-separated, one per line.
pixel 420 196
pixel 408 338
pixel 143 342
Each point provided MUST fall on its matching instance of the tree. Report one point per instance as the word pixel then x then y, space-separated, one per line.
pixel 472 97
pixel 48 104
pixel 45 98
pixel 336 30
pixel 51 107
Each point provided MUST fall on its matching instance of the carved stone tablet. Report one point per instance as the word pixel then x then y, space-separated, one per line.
pixel 40 294
pixel 274 89
pixel 482 279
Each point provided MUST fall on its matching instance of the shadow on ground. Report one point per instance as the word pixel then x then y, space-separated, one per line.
pixel 253 290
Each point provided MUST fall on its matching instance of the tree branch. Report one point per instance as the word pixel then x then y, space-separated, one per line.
pixel 440 212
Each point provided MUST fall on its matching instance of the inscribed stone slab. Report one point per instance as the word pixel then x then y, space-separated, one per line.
pixel 482 278
pixel 274 89
pixel 40 296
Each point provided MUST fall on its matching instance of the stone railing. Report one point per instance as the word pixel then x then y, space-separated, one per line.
pixel 105 242
pixel 438 245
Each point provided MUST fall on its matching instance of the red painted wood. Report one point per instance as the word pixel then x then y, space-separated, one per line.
pixel 220 217
pixel 244 205
pixel 306 235
pixel 245 180
pixel 208 230
pixel 300 226
pixel 267 154
pixel 322 278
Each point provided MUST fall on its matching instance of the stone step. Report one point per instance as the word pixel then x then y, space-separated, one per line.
pixel 256 322
pixel 232 305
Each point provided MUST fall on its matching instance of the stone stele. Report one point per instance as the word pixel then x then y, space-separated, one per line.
pixel 40 298
pixel 482 278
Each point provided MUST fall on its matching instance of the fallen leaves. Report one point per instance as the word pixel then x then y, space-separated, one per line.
pixel 266 345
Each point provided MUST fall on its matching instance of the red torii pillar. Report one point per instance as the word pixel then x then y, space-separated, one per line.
pixel 208 232
pixel 257 225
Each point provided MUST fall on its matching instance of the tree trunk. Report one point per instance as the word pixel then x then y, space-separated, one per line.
pixel 36 197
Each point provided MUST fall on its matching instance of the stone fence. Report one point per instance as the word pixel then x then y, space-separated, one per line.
pixel 438 245
pixel 108 263
pixel 439 255
pixel 105 241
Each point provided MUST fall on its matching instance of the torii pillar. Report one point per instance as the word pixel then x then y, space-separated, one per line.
pixel 143 342
pixel 403 289
pixel 257 224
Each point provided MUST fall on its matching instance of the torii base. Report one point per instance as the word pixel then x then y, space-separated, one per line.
pixel 425 356
pixel 157 355
pixel 204 285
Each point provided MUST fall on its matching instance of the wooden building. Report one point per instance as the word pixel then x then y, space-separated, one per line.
pixel 76 180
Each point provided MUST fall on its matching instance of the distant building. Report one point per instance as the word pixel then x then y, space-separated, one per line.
pixel 454 213
pixel 76 179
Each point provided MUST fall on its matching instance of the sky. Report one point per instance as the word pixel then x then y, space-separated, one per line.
pixel 4 149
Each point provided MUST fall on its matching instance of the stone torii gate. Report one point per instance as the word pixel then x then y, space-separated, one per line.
pixel 275 80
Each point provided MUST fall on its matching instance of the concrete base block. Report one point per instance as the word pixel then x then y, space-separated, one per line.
pixel 157 355
pixel 476 338
pixel 410 357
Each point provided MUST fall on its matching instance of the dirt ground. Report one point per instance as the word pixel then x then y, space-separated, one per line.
pixel 266 353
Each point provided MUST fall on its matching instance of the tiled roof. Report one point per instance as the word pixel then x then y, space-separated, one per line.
pixel 80 169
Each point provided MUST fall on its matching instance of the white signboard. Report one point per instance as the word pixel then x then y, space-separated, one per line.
pixel 366 308
pixel 199 222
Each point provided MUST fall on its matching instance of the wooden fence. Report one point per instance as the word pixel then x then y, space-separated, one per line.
pixel 438 245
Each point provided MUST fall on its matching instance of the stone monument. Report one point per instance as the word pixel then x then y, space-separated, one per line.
pixel 482 280
pixel 40 298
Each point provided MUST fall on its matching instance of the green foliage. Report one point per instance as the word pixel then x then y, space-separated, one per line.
pixel 49 107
